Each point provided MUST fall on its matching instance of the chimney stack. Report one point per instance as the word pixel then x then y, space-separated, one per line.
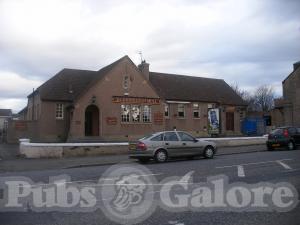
pixel 296 65
pixel 144 68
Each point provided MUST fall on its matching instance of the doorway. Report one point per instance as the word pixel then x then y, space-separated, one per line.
pixel 92 121
pixel 230 121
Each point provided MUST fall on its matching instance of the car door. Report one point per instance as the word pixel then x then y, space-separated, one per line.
pixel 189 145
pixel 172 143
pixel 293 133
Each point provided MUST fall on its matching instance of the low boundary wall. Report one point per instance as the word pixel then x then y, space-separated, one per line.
pixel 237 141
pixel 59 150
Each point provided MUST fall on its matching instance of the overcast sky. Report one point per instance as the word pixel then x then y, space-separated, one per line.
pixel 249 42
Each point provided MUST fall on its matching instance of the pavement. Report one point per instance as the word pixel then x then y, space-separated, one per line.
pixel 250 168
pixel 11 162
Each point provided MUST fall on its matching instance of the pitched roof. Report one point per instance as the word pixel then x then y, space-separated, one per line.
pixel 167 86
pixel 295 71
pixel 23 110
pixel 68 84
pixel 6 112
pixel 188 88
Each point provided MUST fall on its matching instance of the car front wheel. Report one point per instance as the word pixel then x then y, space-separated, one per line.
pixel 209 152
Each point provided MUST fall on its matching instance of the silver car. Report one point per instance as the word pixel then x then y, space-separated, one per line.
pixel 161 146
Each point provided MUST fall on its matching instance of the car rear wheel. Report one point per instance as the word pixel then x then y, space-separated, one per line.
pixel 291 146
pixel 270 148
pixel 161 156
pixel 209 152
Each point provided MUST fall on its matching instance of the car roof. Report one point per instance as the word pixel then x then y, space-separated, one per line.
pixel 161 132
pixel 170 131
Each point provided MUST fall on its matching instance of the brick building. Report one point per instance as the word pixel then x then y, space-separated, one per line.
pixel 124 101
pixel 287 109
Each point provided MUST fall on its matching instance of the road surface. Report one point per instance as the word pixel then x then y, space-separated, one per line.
pixel 274 167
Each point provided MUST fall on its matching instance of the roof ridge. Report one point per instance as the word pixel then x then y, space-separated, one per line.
pixel 78 69
pixel 184 75
pixel 113 63
pixel 102 73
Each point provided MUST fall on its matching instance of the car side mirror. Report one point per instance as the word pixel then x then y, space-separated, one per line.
pixel 196 140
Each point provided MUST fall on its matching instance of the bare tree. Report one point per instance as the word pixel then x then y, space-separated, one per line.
pixel 261 100
pixel 242 93
pixel 245 95
pixel 264 98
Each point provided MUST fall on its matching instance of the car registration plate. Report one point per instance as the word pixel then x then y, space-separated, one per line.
pixel 275 145
pixel 132 146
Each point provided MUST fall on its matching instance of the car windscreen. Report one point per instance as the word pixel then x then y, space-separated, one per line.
pixel 147 136
pixel 277 132
pixel 185 137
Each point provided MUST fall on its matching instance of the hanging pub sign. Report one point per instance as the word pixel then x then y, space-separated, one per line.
pixel 135 100
pixel 213 121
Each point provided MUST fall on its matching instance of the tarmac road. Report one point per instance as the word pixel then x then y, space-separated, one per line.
pixel 251 168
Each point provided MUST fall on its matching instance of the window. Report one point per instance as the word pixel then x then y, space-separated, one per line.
pixel 159 137
pixel 59 114
pixel 181 110
pixel 185 137
pixel 146 114
pixel 125 113
pixel 268 120
pixel 292 131
pixel 298 130
pixel 135 113
pixel 196 110
pixel 166 110
pixel 170 136
pixel 146 137
pixel 277 132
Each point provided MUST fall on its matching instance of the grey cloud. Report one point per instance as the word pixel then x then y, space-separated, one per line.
pixel 258 50
pixel 234 51
pixel 281 10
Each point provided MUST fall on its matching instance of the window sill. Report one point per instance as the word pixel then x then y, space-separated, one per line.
pixel 181 118
pixel 140 123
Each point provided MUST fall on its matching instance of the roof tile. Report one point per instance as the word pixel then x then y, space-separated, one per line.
pixel 188 88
